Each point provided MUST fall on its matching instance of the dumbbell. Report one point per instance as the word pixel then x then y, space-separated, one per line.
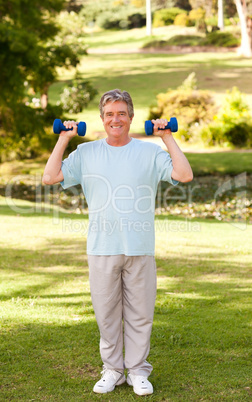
pixel 172 125
pixel 58 126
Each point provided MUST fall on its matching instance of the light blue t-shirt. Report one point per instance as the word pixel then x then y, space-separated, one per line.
pixel 120 185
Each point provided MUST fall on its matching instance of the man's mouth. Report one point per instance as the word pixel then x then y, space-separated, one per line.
pixel 116 126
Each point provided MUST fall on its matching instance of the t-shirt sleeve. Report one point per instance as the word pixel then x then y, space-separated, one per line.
pixel 164 166
pixel 71 169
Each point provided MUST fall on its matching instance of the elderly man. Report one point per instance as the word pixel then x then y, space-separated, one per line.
pixel 119 176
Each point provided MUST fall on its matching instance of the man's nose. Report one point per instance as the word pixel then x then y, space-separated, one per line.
pixel 116 118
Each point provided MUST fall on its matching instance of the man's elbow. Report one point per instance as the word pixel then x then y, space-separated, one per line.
pixel 48 180
pixel 186 178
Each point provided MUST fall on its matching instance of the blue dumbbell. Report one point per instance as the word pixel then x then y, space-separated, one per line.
pixel 172 125
pixel 58 126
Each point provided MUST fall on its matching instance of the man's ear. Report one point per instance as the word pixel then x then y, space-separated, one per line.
pixel 101 117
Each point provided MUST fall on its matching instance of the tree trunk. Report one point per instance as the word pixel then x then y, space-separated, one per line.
pixel 220 15
pixel 246 28
pixel 44 97
pixel 148 18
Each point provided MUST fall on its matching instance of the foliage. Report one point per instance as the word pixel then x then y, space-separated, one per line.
pixel 217 38
pixel 184 40
pixel 166 16
pixel 121 19
pixel 191 105
pixel 71 32
pixel 29 55
pixel 206 5
pixel 77 96
pixel 199 116
pixel 20 143
pixel 182 20
pixel 197 14
pixel 111 14
pixel 233 123
pixel 197 17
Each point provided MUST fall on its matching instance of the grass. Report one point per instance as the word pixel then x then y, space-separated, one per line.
pixel 208 163
pixel 220 163
pixel 49 338
pixel 133 38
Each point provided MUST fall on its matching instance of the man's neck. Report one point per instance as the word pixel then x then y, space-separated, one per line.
pixel 118 142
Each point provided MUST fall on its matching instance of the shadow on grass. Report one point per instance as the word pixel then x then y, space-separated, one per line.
pixel 200 342
pixel 32 272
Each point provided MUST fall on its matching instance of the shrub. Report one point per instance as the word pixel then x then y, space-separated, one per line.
pixel 136 20
pixel 239 135
pixel 184 40
pixel 166 16
pixel 197 17
pixel 191 105
pixel 233 123
pixel 77 96
pixel 112 20
pixel 155 43
pixel 182 20
pixel 217 38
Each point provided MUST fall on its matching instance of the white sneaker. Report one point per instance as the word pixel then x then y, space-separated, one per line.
pixel 110 378
pixel 141 385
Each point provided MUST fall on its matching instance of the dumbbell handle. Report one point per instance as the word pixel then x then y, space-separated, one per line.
pixel 172 125
pixel 58 126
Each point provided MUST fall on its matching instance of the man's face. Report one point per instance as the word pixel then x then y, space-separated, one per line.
pixel 116 120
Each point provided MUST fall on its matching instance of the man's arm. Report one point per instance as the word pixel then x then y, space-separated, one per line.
pixel 182 170
pixel 53 173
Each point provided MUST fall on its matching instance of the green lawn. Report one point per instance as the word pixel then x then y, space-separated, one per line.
pixel 201 341
pixel 203 163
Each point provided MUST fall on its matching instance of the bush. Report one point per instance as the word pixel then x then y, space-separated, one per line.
pixel 197 17
pixel 136 20
pixel 239 135
pixel 155 44
pixel 217 38
pixel 233 123
pixel 121 18
pixel 166 16
pixel 182 20
pixel 112 20
pixel 184 40
pixel 191 105
pixel 77 96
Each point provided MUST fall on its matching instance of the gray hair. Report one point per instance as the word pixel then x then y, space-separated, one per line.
pixel 116 95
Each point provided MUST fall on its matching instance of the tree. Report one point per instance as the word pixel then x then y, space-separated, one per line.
pixel 204 4
pixel 28 59
pixel 244 10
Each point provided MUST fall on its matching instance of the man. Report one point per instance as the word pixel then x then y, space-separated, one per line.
pixel 119 176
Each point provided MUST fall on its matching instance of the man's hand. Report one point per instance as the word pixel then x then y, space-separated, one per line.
pixel 72 133
pixel 160 123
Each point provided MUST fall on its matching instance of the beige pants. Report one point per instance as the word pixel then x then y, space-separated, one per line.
pixel 123 291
